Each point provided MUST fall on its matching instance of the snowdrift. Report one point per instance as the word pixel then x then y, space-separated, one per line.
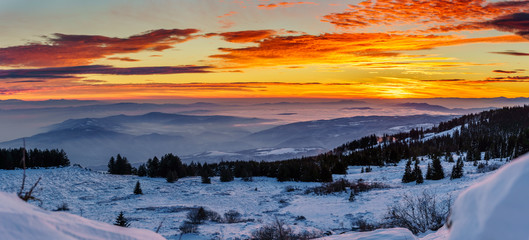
pixel 497 207
pixel 20 220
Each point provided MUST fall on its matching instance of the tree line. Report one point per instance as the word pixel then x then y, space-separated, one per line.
pixel 11 158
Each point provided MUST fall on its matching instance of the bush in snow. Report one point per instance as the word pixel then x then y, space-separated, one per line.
pixel 483 168
pixel 342 185
pixel 277 230
pixel 62 207
pixel 188 227
pixel 197 216
pixel 419 213
pixel 232 216
pixel 361 225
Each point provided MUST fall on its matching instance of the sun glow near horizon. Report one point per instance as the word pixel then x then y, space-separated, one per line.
pixel 244 49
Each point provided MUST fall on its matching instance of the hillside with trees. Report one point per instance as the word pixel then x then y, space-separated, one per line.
pixel 495 134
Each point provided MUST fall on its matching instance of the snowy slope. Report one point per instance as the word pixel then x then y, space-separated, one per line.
pixel 495 208
pixel 19 220
pixel 101 197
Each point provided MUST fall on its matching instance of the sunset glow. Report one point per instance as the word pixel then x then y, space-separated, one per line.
pixel 263 49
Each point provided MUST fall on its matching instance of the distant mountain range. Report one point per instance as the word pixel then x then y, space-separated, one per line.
pixel 91 141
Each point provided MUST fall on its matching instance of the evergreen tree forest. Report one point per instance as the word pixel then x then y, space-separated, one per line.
pixel 500 133
pixel 11 158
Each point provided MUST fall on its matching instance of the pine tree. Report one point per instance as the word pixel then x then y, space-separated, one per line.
pixel 438 172
pixel 457 170
pixel 408 175
pixel 352 195
pixel 137 189
pixel 226 175
pixel 417 172
pixel 325 175
pixel 142 170
pixel 204 175
pixel 111 165
pixel 429 172
pixel 171 177
pixel 121 220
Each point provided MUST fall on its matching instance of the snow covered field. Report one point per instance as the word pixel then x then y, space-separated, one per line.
pixel 101 197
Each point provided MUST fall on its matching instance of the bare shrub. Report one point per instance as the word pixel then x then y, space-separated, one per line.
pixel 419 213
pixel 199 215
pixel 188 227
pixel 342 185
pixel 361 225
pixel 232 216
pixel 483 168
pixel 278 230
pixel 62 207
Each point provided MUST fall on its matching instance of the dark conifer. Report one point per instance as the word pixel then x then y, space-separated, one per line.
pixel 137 189
pixel 142 170
pixel 171 177
pixel 418 173
pixel 121 220
pixel 408 174
pixel 457 170
pixel 226 175
pixel 204 175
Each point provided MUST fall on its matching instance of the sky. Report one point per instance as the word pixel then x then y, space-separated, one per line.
pixel 161 49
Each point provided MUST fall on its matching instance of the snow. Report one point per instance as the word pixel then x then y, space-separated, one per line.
pixel 495 208
pixel 386 234
pixel 20 220
pixel 98 196
pixel 280 151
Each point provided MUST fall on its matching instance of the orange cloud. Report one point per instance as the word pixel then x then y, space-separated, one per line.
pixel 455 15
pixel 343 48
pixel 72 50
pixel 246 36
pixel 283 4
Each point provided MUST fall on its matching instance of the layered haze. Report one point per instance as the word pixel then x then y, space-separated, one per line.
pixel 215 130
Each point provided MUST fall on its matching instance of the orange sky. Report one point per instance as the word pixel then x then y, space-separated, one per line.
pixel 263 48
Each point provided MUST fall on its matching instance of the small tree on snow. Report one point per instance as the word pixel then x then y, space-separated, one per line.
pixel 121 220
pixel 457 170
pixel 137 189
pixel 418 173
pixel 408 174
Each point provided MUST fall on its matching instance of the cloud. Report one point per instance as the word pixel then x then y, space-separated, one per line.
pixel 244 36
pixel 510 78
pixel 124 59
pixel 504 71
pixel 72 72
pixel 517 23
pixel 283 4
pixel 342 48
pixel 435 15
pixel 74 50
pixel 512 53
